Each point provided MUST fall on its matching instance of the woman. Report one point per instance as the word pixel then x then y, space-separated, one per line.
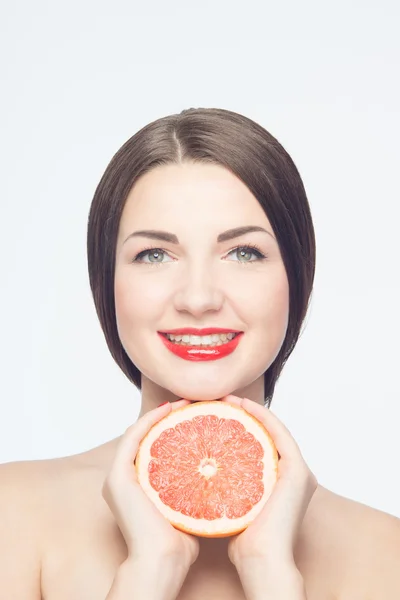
pixel 200 221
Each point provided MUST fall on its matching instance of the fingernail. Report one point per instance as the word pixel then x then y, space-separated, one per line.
pixel 163 404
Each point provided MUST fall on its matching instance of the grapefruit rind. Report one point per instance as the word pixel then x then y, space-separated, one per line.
pixel 219 527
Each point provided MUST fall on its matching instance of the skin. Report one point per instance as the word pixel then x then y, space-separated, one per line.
pixel 200 283
pixel 66 530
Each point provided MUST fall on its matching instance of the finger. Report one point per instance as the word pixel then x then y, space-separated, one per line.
pixel 231 399
pixel 135 433
pixel 280 434
pixel 180 403
pixel 130 441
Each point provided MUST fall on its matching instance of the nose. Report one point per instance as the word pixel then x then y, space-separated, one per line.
pixel 198 292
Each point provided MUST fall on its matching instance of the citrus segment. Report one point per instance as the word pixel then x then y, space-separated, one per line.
pixel 209 467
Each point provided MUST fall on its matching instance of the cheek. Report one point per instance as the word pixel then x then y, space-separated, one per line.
pixel 277 300
pixel 274 313
pixel 266 299
pixel 137 299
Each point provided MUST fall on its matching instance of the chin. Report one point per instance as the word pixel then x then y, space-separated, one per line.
pixel 200 396
pixel 203 399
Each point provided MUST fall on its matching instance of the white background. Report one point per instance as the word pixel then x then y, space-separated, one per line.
pixel 79 78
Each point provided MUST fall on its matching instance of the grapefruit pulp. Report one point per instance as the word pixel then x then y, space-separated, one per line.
pixel 209 468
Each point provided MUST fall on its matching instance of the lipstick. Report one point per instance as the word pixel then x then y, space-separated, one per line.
pixel 200 353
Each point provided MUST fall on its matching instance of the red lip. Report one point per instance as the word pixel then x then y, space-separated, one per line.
pixel 194 331
pixel 199 353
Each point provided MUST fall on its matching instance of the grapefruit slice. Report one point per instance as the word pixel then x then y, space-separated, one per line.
pixel 209 468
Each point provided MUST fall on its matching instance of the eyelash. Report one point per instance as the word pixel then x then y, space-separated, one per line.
pixel 253 248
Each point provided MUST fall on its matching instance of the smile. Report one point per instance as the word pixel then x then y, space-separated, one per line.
pixel 198 348
pixel 216 339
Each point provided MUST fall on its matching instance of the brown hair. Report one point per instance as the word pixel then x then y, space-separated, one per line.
pixel 254 156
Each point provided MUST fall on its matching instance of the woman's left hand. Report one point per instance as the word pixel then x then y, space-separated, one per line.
pixel 266 547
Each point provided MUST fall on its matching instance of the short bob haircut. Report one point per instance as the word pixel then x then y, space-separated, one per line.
pixel 206 135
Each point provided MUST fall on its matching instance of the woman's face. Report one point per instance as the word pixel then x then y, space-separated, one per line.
pixel 199 282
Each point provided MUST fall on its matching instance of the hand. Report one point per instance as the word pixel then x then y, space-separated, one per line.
pixel 149 536
pixel 270 539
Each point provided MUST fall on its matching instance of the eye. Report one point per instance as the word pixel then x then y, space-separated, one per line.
pixel 156 253
pixel 242 251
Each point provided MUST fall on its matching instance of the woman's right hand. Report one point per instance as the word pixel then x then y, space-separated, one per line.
pixel 149 536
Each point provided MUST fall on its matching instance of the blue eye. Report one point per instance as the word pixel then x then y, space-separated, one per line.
pixel 248 250
pixel 156 252
pixel 159 253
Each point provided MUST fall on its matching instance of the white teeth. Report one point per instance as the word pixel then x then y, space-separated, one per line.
pixel 216 339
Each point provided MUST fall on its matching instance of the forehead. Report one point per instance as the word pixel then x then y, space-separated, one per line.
pixel 207 194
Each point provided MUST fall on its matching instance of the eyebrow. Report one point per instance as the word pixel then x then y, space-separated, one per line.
pixel 165 236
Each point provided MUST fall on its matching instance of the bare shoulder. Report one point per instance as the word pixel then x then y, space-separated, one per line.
pixel 357 548
pixel 35 496
pixel 23 488
pixel 373 546
pixel 38 489
pixel 22 513
pixel 30 486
